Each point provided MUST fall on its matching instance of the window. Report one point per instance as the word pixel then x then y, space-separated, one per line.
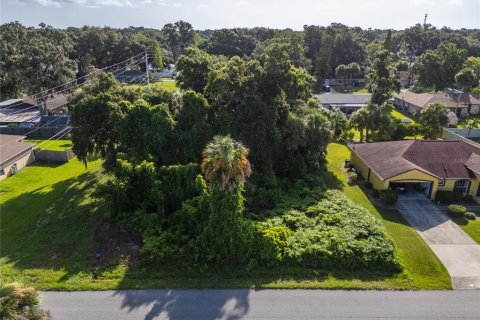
pixel 441 182
pixel 461 186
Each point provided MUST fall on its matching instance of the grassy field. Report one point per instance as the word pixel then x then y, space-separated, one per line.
pixel 167 84
pixel 397 115
pixel 472 228
pixel 421 264
pixel 55 145
pixel 48 223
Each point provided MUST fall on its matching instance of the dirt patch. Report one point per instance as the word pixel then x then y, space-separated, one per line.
pixel 113 244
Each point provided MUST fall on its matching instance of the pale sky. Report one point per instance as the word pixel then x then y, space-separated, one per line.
pixel 215 14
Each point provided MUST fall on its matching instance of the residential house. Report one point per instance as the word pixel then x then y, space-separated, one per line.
pixel 14 154
pixel 429 165
pixel 346 102
pixel 461 104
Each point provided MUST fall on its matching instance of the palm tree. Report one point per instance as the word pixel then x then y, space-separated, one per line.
pixel 359 120
pixel 225 163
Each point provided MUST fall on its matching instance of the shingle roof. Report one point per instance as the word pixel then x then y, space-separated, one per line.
pixel 10 146
pixel 442 159
pixel 343 98
pixel 451 100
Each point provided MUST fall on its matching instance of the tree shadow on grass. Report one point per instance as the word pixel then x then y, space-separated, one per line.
pixel 52 227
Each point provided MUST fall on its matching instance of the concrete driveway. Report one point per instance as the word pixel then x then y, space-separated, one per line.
pixel 457 251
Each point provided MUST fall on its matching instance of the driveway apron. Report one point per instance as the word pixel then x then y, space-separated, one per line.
pixel 456 250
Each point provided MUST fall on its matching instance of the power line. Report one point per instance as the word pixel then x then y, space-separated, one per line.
pixel 89 74
pixel 135 63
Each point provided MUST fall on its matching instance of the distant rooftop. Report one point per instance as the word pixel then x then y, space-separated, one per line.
pixel 344 98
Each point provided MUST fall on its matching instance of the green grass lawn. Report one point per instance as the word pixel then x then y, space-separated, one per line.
pixel 48 221
pixel 397 115
pixel 420 263
pixel 167 84
pixel 55 145
pixel 472 228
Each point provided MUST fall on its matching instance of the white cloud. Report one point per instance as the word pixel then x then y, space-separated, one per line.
pixel 422 2
pixel 455 2
pixel 86 3
pixel 243 2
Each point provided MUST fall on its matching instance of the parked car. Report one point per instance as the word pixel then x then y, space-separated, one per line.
pixel 326 88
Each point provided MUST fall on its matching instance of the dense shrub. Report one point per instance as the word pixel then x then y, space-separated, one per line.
pixel 448 196
pixel 368 185
pixel 375 193
pixel 470 216
pixel 19 302
pixel 352 178
pixel 334 233
pixel 456 210
pixel 388 196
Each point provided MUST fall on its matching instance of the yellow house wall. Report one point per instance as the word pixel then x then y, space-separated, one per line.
pixel 411 176
pixel 416 176
pixel 363 169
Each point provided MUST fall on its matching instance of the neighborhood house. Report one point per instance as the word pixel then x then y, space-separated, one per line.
pixel 461 104
pixel 14 154
pixel 347 103
pixel 427 166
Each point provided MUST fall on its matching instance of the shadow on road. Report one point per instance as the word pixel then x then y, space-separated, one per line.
pixel 184 304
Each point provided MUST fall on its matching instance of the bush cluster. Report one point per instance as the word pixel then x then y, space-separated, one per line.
pixel 352 178
pixel 334 233
pixel 456 210
pixel 20 302
pixel 470 216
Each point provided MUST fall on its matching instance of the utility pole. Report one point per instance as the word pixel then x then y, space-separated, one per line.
pixel 425 20
pixel 146 68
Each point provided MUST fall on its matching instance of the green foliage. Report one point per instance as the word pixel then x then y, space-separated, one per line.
pixel 433 118
pixel 466 78
pixel 401 65
pixel 470 216
pixel 352 178
pixel 193 69
pixel 456 210
pixel 437 68
pixel 334 233
pixel 20 302
pixel 376 193
pixel 389 197
pixel 382 78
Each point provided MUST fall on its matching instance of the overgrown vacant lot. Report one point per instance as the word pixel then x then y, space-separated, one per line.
pixel 49 222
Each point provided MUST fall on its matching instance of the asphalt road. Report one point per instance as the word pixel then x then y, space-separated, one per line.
pixel 262 304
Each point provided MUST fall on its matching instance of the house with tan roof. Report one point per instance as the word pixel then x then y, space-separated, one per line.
pixel 458 103
pixel 430 166
pixel 14 154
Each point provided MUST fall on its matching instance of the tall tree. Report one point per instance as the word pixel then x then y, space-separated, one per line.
pixel 437 68
pixel 382 78
pixel 466 78
pixel 225 163
pixel 193 69
pixel 433 118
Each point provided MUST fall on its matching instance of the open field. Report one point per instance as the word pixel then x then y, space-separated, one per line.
pixel 49 222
